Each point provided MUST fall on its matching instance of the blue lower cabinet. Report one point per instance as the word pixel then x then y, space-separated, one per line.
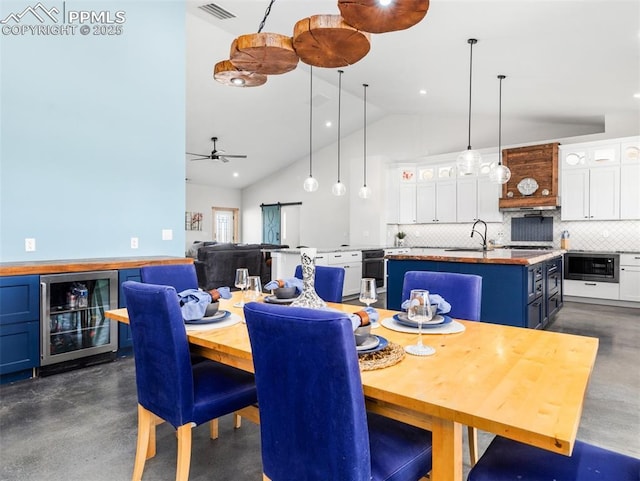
pixel 512 295
pixel 125 344
pixel 19 327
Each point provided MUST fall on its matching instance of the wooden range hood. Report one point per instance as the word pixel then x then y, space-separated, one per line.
pixel 531 165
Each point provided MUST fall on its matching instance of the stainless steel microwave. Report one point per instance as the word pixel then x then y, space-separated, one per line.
pixel 592 266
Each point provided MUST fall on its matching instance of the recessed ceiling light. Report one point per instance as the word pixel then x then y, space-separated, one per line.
pixel 328 123
pixel 423 92
pixel 384 3
pixel 636 96
pixel 235 174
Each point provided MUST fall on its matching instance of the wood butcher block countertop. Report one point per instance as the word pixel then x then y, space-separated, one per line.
pixel 496 256
pixel 83 265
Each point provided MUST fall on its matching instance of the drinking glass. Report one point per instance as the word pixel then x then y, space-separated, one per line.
pixel 242 280
pixel 419 311
pixel 368 291
pixel 254 288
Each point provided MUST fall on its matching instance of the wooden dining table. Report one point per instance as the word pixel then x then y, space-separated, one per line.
pixel 523 384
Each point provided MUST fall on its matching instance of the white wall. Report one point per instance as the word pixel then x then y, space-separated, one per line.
pixel 201 198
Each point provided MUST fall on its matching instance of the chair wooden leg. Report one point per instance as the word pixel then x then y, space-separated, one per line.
pixel 237 421
pixel 213 428
pixel 473 445
pixel 146 423
pixel 184 452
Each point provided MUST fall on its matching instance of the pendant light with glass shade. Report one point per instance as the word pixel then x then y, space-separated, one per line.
pixel 339 188
pixel 500 173
pixel 469 160
pixel 365 192
pixel 310 184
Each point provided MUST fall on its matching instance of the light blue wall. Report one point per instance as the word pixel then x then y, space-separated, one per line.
pixel 92 135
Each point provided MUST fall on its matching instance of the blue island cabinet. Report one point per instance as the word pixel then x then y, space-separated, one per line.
pixel 19 327
pixel 125 344
pixel 512 295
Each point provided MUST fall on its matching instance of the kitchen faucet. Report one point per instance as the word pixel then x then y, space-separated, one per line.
pixel 484 237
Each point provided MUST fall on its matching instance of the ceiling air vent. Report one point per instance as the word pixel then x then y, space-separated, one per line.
pixel 217 11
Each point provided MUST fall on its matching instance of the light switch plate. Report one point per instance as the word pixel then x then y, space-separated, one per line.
pixel 167 234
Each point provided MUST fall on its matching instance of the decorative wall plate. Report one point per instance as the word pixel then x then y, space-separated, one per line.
pixel 527 186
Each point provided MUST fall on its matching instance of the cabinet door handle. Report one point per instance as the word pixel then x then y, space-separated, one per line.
pixel 590 284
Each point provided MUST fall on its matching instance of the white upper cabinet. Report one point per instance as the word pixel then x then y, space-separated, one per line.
pixel 436 194
pixel 630 180
pixel 590 155
pixel 407 194
pixel 401 194
pixel 478 197
pixel 591 181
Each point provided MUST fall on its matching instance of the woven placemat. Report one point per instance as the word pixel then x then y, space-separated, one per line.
pixel 390 355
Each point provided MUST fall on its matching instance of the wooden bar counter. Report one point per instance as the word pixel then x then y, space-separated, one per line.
pixel 83 265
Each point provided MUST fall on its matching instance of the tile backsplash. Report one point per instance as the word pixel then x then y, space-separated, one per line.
pixel 613 235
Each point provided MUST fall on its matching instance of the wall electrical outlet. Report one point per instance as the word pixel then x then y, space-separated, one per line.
pixel 167 234
pixel 29 244
pixel 134 242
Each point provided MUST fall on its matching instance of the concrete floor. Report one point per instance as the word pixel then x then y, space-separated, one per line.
pixel 81 425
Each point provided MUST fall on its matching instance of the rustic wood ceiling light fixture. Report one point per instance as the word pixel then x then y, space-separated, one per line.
pixel 226 73
pixel 380 16
pixel 264 53
pixel 328 41
pixel 500 173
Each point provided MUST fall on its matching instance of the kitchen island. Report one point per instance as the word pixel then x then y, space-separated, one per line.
pixel 520 288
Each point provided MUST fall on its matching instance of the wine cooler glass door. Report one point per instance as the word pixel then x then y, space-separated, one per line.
pixel 73 321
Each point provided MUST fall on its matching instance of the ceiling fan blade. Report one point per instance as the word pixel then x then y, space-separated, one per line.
pixel 232 156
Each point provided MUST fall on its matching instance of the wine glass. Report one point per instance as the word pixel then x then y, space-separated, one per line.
pixel 368 293
pixel 419 311
pixel 254 288
pixel 242 279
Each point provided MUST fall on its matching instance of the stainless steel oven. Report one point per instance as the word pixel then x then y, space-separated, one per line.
pixel 592 266
pixel 373 265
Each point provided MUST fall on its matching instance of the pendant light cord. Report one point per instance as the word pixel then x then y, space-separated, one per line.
pixel 365 133
pixel 266 14
pixel 340 72
pixel 501 77
pixel 471 41
pixel 311 121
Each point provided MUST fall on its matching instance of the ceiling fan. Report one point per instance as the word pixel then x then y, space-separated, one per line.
pixel 217 154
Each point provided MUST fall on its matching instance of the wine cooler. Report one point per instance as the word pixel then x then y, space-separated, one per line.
pixel 75 330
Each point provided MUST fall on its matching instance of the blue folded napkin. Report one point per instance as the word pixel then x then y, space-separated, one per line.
pixel 443 306
pixel 356 320
pixel 193 303
pixel 290 282
pixel 225 292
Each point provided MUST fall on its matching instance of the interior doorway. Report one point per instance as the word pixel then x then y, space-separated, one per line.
pixel 281 223
pixel 225 224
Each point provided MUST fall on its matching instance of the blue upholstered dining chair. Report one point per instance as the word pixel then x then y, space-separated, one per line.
pixel 313 421
pixel 329 282
pixel 178 276
pixel 506 460
pixel 462 291
pixel 168 385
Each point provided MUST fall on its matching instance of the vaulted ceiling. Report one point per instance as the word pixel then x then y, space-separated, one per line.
pixel 567 62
